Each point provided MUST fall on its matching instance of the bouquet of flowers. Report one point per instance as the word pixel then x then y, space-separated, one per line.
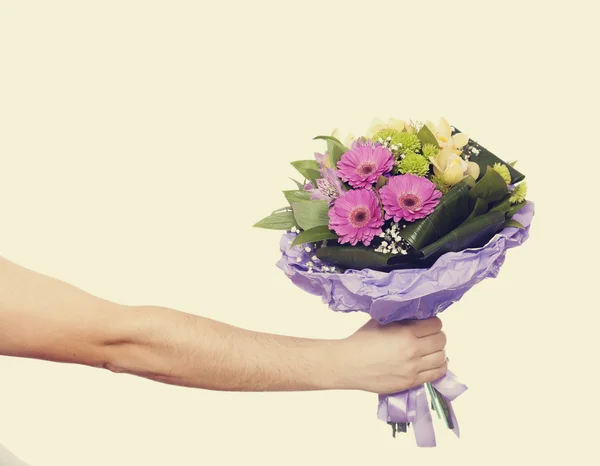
pixel 399 224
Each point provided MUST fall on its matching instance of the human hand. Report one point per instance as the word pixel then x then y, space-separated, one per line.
pixel 396 356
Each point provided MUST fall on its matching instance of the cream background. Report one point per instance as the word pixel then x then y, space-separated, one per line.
pixel 140 140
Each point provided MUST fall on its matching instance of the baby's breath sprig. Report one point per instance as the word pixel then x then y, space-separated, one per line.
pixel 309 259
pixel 400 143
pixel 392 242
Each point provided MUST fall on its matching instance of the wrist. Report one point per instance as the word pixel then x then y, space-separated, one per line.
pixel 339 370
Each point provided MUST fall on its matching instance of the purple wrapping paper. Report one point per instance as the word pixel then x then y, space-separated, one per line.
pixel 406 294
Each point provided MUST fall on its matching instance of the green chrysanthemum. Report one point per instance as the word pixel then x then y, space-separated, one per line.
pixel 413 163
pixel 398 142
pixel 407 143
pixel 429 150
pixel 441 185
pixel 503 171
pixel 386 136
pixel 518 194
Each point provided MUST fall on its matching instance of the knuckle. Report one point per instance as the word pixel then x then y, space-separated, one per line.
pixel 442 370
pixel 443 339
pixel 412 330
pixel 412 352
pixel 411 370
pixel 437 373
pixel 412 377
pixel 440 359
pixel 414 370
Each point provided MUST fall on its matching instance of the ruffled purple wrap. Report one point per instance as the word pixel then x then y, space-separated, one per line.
pixel 406 294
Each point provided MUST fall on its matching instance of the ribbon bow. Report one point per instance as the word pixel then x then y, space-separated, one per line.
pixel 412 406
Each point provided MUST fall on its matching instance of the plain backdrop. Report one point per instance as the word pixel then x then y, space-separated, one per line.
pixel 141 140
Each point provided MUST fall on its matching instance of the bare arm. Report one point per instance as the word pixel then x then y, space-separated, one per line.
pixel 45 318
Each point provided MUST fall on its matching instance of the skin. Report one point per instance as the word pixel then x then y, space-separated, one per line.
pixel 45 318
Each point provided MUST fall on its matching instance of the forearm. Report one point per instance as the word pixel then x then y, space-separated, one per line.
pixel 185 349
pixel 45 318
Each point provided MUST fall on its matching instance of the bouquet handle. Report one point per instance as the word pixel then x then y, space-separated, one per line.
pixel 412 407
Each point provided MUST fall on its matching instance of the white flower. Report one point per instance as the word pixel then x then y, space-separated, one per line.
pixel 347 141
pixel 443 133
pixel 452 168
pixel 378 125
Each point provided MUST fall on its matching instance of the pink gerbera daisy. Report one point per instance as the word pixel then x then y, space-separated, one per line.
pixel 356 216
pixel 409 197
pixel 363 164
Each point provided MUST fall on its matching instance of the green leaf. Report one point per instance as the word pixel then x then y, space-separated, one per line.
pixel 513 163
pixel 447 215
pixel 296 195
pixel 512 223
pixel 381 182
pixel 310 214
pixel 481 207
pixel 287 208
pixel 300 185
pixel 314 235
pixel 503 205
pixel 328 138
pixel 313 175
pixel 354 257
pixel 304 165
pixel 427 137
pixel 277 221
pixel 490 188
pixel 469 181
pixel 474 232
pixel 335 149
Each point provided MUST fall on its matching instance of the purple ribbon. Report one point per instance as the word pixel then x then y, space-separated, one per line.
pixel 412 406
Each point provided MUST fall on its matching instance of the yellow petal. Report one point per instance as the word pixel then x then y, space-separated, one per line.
pixel 336 133
pixel 376 126
pixel 453 174
pixel 460 140
pixel 444 157
pixel 431 125
pixel 436 167
pixel 473 170
pixel 444 128
pixel 410 127
pixel 349 140
pixel 398 125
